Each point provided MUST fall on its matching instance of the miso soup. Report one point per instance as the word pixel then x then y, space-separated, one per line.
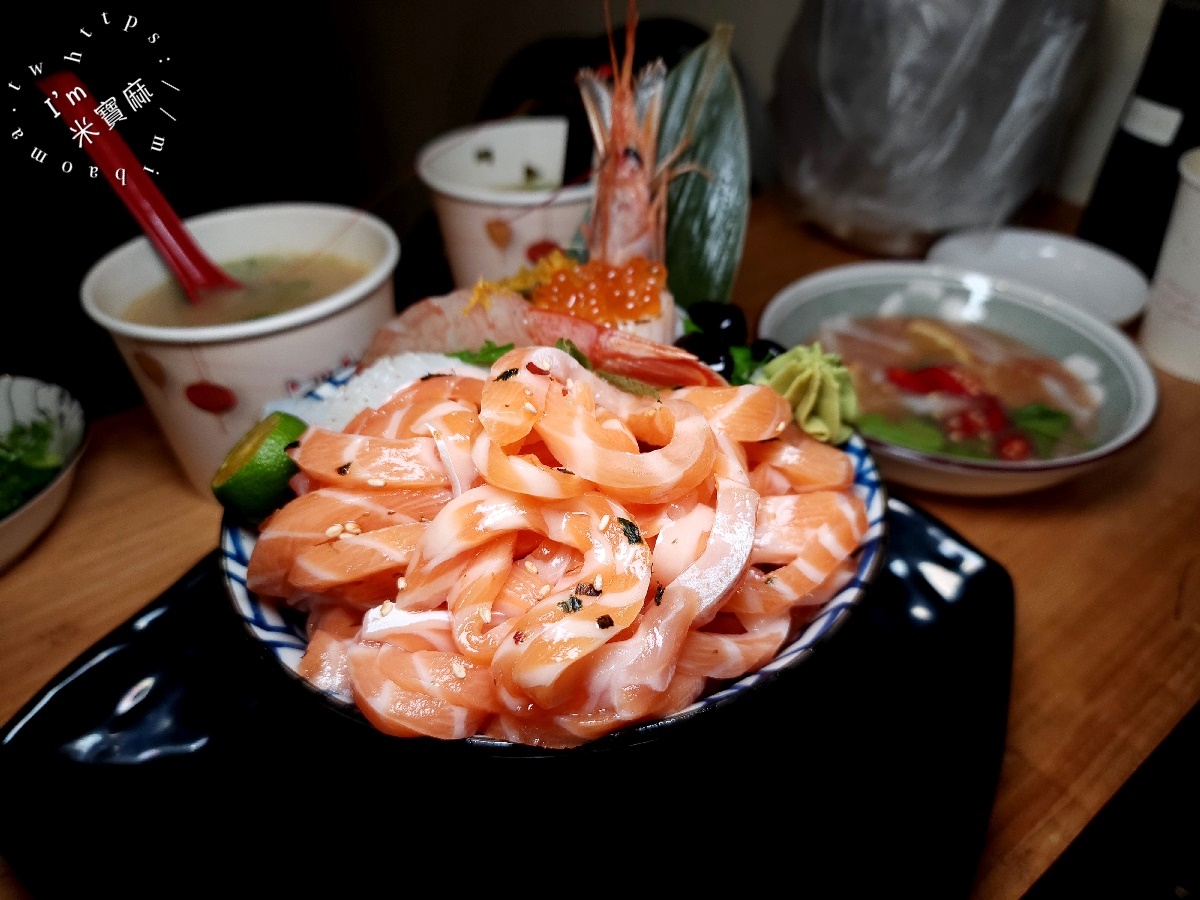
pixel 270 285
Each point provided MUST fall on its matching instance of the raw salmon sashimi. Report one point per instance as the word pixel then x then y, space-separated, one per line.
pixel 532 553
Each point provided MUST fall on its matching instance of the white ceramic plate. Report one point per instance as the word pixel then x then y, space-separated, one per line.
pixel 1041 321
pixel 1081 273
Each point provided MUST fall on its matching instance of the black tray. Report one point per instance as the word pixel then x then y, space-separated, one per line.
pixel 170 750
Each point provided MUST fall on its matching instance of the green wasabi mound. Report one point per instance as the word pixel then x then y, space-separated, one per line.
pixel 819 388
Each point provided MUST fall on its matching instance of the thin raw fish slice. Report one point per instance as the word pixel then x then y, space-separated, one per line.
pixel 525 473
pixel 806 463
pixel 745 413
pixel 307 520
pixel 354 557
pixel 409 405
pixel 655 476
pixel 470 600
pixel 812 534
pixel 427 692
pixel 408 629
pixel 717 655
pixel 325 664
pixel 360 462
pixel 511 404
pixel 565 729
pixel 630 676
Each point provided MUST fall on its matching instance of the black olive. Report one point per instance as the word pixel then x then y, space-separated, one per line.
pixel 725 320
pixel 711 350
pixel 764 350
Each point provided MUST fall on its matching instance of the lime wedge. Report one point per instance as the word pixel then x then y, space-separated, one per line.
pixel 252 482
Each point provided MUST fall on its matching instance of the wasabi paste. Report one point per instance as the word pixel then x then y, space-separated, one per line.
pixel 819 388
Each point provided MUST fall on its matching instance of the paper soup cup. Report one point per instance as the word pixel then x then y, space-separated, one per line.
pixel 498 194
pixel 208 385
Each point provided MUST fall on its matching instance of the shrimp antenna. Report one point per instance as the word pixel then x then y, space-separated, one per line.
pixel 631 18
pixel 624 68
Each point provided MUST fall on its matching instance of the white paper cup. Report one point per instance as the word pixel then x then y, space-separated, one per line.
pixel 208 385
pixel 1170 331
pixel 498 195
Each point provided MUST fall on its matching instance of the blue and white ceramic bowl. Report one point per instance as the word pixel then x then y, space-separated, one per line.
pixel 280 632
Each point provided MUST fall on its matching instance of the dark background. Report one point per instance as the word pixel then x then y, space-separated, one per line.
pixel 261 116
pixel 270 107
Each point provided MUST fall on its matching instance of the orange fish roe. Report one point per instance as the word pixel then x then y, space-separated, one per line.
pixel 604 293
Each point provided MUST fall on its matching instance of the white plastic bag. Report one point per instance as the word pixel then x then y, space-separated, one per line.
pixel 899 120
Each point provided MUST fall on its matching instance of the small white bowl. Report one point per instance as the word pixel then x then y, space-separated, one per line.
pixel 1043 322
pixel 25 400
pixel 1084 274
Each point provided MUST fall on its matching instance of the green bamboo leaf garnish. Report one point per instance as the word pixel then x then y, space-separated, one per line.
pixel 708 205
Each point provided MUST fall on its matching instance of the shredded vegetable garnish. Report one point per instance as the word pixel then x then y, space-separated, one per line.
pixel 27 463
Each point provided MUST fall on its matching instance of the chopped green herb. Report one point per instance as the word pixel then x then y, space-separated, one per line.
pixel 574 352
pixel 27 463
pixel 632 534
pixel 484 356
pixel 630 385
pixel 506 374
pixel 571 604
pixel 624 382
pixel 587 589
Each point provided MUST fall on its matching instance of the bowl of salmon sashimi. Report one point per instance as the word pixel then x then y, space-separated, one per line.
pixel 524 551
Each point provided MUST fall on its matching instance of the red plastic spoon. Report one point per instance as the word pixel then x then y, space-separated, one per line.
pixel 196 273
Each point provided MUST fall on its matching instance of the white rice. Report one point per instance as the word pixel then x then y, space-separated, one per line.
pixel 335 402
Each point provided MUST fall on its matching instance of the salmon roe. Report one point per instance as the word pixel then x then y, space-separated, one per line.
pixel 604 293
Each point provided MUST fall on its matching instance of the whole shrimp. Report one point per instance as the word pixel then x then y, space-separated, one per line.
pixel 630 211
pixel 627 221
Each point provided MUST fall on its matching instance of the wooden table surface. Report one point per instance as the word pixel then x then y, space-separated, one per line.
pixel 1106 570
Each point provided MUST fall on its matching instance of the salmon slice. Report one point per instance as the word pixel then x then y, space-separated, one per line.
pixel 307 521
pixel 745 413
pixel 424 692
pixel 363 463
pixel 354 557
pixel 810 535
pixel 716 655
pixel 655 476
pixel 806 463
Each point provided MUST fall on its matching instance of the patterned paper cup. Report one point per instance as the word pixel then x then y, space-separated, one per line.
pixel 207 385
pixel 498 195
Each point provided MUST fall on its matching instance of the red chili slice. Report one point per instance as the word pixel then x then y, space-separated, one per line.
pixel 1014 447
pixel 948 379
pixel 964 425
